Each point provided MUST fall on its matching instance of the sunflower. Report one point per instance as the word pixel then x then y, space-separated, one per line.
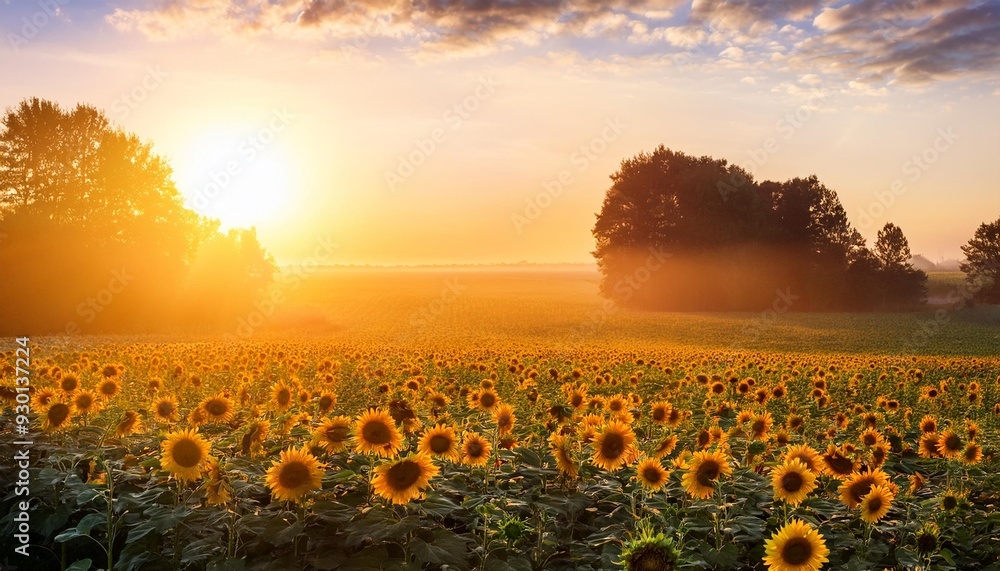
pixel 870 437
pixel 376 432
pixel 704 469
pixel 129 424
pixel 929 445
pixel 326 402
pixel 856 487
pixel 613 446
pixel 660 412
pixel 404 479
pixel 559 444
pixel 440 442
pixel 792 482
pixel 43 397
pixel 69 383
pixel 485 399
pixel 836 464
pixel 797 546
pixel 185 454
pixel 876 503
pixel 86 403
pixel 56 416
pixel 916 482
pixel 108 388
pixel 333 434
pixel 950 444
pixel 253 439
pixel 475 450
pixel 927 538
pixel 649 550
pixel 504 416
pixel 951 500
pixel 293 476
pixel 651 474
pixel 665 447
pixel 217 408
pixel 615 403
pixel 972 454
pixel 281 396
pixel 165 409
pixel 760 426
pixel 928 424
pixel 217 484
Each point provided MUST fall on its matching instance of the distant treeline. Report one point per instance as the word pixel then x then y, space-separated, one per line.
pixel 94 235
pixel 678 232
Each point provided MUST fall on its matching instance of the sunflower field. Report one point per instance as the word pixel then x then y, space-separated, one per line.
pixel 299 454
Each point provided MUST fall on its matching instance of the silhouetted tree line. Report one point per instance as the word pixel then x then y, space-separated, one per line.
pixel 94 236
pixel 696 233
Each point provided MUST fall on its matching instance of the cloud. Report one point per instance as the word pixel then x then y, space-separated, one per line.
pixel 874 42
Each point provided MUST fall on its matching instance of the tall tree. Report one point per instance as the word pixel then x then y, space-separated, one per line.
pixel 982 262
pixel 903 285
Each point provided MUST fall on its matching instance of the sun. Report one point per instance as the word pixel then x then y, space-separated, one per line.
pixel 241 176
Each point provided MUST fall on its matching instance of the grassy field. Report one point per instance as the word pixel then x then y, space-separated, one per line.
pixel 561 307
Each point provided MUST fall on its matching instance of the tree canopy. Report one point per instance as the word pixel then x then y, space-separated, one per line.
pixel 729 242
pixel 982 262
pixel 96 235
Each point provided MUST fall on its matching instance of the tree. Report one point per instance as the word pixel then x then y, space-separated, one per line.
pixel 729 242
pixel 97 235
pixel 982 262
pixel 903 283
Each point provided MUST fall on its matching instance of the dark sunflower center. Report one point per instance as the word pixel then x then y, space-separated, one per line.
pixel 577 400
pixel 950 502
pixel 84 402
pixel 504 421
pixel 758 426
pixel 487 400
pixel 792 482
pixel 650 558
pixel 651 475
pixel 58 414
pixel 440 444
pixel 704 438
pixel 108 388
pixel 187 453
pixel 325 402
pixel 840 464
pixel 403 475
pixel 284 397
pixel 796 551
pixel 216 407
pixel 718 388
pixel 869 439
pixel 68 384
pixel 860 489
pixel 293 475
pixel 929 427
pixel 376 432
pixel 613 446
pixel 615 406
pixel 926 542
pixel 707 472
pixel 953 442
pixel 474 449
pixel 336 433
pixel 165 409
pixel 659 415
pixel 875 504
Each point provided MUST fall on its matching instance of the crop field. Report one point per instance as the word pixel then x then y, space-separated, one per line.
pixel 510 419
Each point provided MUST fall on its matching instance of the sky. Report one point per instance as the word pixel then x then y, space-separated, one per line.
pixel 485 131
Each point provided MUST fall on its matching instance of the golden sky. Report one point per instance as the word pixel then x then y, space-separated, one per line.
pixel 456 132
